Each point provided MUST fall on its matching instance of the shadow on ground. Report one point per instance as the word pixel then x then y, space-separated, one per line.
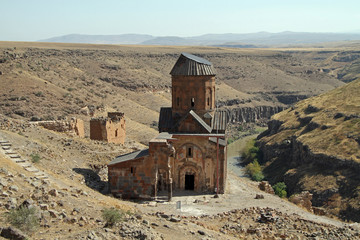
pixel 93 180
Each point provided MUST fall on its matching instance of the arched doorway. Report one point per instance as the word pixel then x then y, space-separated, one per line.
pixel 189 178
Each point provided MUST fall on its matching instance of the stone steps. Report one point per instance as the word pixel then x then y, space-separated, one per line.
pixel 32 169
pixel 27 165
pixel 9 152
pixel 6 144
pixel 41 175
pixel 20 160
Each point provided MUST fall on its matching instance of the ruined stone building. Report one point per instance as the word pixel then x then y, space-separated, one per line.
pixel 190 151
pixel 110 129
pixel 75 126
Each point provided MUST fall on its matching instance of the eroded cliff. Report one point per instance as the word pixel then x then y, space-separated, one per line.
pixel 315 146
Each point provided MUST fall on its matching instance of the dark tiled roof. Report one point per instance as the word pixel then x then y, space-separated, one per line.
pixel 130 156
pixel 222 142
pixel 190 65
pixel 220 120
pixel 165 119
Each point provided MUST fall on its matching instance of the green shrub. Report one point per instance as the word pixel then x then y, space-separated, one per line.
pixel 112 216
pixel 258 176
pixel 280 189
pixel 251 152
pixel 255 171
pixel 35 158
pixel 230 140
pixel 39 94
pixel 24 218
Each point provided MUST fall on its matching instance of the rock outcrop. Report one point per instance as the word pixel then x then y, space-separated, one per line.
pixel 314 146
pixel 251 114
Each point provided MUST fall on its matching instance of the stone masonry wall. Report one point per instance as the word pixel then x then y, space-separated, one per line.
pixel 74 126
pixel 111 129
pixel 131 179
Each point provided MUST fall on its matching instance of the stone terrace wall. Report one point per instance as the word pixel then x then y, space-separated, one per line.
pixel 74 126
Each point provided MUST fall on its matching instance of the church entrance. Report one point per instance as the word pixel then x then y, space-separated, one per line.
pixel 189 181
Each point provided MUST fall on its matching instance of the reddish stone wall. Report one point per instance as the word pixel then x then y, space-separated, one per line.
pixel 111 129
pixel 131 179
pixel 199 88
pixel 97 128
pixel 78 126
pixel 201 163
pixel 189 125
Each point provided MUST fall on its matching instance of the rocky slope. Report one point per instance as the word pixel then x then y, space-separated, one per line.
pixel 69 201
pixel 315 146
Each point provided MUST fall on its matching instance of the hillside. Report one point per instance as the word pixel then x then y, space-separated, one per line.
pixel 54 80
pixel 315 146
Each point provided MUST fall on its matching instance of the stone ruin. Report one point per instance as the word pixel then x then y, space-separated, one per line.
pixel 110 129
pixel 75 126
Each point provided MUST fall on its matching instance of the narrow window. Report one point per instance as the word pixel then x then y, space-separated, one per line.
pixel 208 101
pixel 190 152
pixel 178 101
pixel 192 102
pixel 116 132
pixel 133 170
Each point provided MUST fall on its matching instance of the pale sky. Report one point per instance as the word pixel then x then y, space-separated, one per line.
pixel 31 20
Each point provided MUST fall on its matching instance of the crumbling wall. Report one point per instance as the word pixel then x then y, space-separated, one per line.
pixel 74 126
pixel 110 129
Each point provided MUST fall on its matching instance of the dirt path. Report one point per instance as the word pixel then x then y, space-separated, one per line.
pixel 240 194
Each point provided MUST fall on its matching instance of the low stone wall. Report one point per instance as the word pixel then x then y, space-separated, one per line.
pixel 74 126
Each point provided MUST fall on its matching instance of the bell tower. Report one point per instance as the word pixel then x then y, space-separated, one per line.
pixel 193 87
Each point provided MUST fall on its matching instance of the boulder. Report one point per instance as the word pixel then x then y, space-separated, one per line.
pixel 13 233
pixel 53 192
pixel 303 199
pixel 266 187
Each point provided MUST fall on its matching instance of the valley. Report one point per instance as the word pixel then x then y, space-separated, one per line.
pixel 57 81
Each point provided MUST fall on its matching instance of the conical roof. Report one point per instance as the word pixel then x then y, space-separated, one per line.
pixel 191 65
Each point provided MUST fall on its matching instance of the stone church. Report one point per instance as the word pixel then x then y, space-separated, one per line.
pixel 190 151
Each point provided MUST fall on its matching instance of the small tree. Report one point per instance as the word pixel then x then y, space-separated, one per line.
pixel 112 216
pixel 24 218
pixel 280 189
pixel 251 152
pixel 255 171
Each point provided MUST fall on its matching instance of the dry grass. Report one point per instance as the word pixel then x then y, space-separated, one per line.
pixel 336 130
